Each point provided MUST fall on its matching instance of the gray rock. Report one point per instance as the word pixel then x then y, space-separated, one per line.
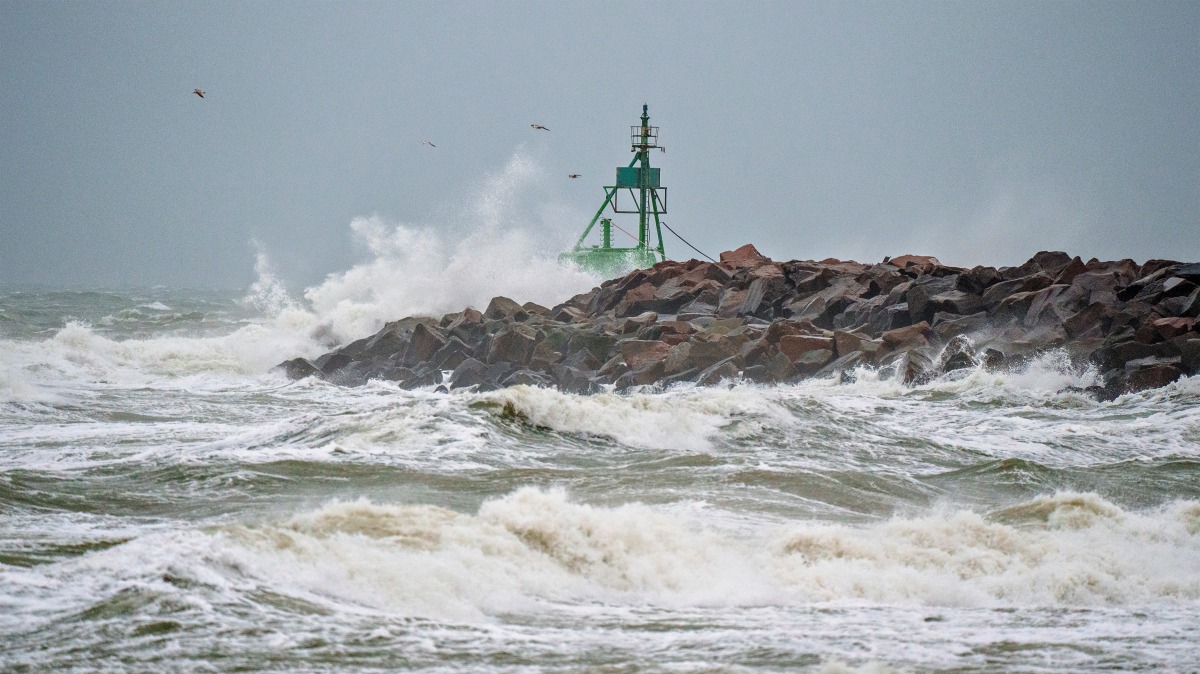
pixel 423 343
pixel 915 368
pixel 947 326
pixel 468 373
pixel 958 354
pixel 840 368
pixel 997 293
pixel 572 380
pixel 502 307
pixel 298 368
pixel 714 374
pixel 953 302
pixel 527 378
pixel 330 363
pixel 1190 355
pixel 812 361
pixel 1190 272
pixel 923 290
pixel 513 344
pixel 647 374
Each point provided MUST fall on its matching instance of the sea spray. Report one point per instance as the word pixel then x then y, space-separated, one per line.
pixel 268 294
pixel 491 249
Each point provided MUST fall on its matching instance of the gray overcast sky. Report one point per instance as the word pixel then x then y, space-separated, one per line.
pixel 976 132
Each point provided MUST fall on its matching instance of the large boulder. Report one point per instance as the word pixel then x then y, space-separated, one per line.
pixel 746 256
pixel 502 307
pixel 298 368
pixel 795 346
pixel 922 290
pixel 423 343
pixel 639 352
pixel 513 344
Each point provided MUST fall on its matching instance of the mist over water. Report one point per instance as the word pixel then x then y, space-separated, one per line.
pixel 169 502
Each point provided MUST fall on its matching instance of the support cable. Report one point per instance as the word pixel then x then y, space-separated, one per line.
pixel 623 230
pixel 664 224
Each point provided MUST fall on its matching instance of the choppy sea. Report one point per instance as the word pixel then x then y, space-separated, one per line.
pixel 170 503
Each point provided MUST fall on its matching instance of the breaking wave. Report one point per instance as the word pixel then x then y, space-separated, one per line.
pixel 537 545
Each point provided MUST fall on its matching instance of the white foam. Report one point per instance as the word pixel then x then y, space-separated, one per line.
pixel 1046 374
pixel 837 666
pixel 79 350
pixel 538 552
pixel 14 383
pixel 529 547
pixel 538 545
pixel 1066 549
pixel 1026 413
pixel 156 306
pixel 681 419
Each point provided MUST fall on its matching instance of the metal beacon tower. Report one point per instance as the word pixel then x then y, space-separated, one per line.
pixel 641 184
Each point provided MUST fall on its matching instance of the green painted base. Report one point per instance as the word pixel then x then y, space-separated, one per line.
pixel 611 262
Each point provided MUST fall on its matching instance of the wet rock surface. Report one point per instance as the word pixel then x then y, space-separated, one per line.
pixel 774 322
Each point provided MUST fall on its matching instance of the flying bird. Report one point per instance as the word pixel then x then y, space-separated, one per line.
pixel 539 127
pixel 425 142
pixel 198 93
pixel 573 175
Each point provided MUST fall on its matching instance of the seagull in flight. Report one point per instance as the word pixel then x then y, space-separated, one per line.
pixel 573 175
pixel 198 93
pixel 539 127
pixel 425 142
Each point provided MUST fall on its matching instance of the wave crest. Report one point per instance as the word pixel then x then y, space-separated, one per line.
pixel 537 544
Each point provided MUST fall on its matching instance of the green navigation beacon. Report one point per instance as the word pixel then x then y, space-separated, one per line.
pixel 641 184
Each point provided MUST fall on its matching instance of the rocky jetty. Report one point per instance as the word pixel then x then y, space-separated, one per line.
pixel 750 317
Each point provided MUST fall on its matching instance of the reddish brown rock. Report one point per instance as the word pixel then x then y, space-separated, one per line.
pixel 795 346
pixel 1091 320
pixel 1170 328
pixel 639 352
pixel 812 361
pixel 1074 268
pixel 773 270
pixel 746 256
pixel 848 342
pixel 709 349
pixel 915 262
pixel 731 302
pixel 909 337
pixel 1152 376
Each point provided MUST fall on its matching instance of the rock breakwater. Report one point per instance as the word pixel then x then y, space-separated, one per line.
pixel 772 322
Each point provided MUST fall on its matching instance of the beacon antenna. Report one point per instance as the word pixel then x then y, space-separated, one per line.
pixel 639 190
